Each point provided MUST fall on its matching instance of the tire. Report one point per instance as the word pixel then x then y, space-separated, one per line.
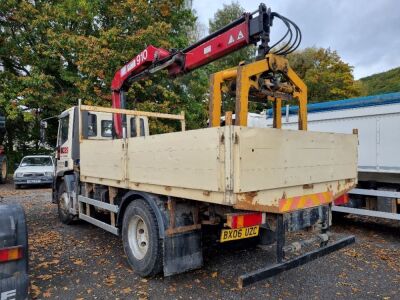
pixel 63 205
pixel 144 252
pixel 17 186
pixel 3 169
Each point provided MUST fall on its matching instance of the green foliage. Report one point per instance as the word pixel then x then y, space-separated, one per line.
pixel 326 75
pixel 385 82
pixel 54 52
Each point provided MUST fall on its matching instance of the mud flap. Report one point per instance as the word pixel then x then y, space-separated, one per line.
pixel 182 252
pixel 71 188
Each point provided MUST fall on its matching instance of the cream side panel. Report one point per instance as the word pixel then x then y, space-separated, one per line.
pixel 268 158
pixel 102 159
pixel 189 159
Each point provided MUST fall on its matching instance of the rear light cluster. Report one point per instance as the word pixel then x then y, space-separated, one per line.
pixel 239 220
pixel 341 200
pixel 10 254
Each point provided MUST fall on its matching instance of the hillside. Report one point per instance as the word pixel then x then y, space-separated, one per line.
pixel 380 83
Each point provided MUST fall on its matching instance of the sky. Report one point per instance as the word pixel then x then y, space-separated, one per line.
pixel 365 33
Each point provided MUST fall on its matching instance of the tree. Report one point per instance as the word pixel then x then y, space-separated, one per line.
pixel 385 82
pixel 326 75
pixel 54 52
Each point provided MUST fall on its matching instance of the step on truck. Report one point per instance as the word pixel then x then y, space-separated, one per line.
pixel 160 192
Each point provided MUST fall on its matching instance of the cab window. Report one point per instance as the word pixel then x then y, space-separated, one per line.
pixel 106 128
pixel 133 127
pixel 92 125
pixel 64 126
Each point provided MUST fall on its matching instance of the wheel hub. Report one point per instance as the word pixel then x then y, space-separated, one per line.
pixel 138 237
pixel 64 202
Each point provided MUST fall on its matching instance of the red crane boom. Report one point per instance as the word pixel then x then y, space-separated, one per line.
pixel 251 28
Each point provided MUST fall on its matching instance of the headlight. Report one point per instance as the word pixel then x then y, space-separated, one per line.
pixel 48 174
pixel 19 174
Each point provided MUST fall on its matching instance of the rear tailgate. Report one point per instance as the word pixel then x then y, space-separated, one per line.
pixel 284 170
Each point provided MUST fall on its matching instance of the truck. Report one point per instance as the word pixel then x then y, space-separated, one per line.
pixel 162 192
pixel 376 120
pixel 3 157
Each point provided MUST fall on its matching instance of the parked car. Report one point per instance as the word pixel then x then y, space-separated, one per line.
pixel 14 280
pixel 34 170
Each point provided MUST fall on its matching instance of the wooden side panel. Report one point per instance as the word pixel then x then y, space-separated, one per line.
pixel 189 159
pixel 103 159
pixel 267 158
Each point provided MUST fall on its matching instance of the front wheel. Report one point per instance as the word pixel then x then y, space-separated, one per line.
pixel 64 203
pixel 141 240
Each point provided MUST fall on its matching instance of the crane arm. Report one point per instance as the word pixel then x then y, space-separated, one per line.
pixel 250 28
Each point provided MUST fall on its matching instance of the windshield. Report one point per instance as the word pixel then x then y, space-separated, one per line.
pixel 36 161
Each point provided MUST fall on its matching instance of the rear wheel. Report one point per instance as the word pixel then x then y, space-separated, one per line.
pixel 3 169
pixel 141 240
pixel 64 203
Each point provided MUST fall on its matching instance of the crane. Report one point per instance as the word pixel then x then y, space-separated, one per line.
pixel 250 29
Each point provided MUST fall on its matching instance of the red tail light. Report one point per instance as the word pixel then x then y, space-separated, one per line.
pixel 341 200
pixel 10 254
pixel 239 220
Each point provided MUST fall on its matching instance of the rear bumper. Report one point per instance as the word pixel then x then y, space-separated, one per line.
pixel 14 287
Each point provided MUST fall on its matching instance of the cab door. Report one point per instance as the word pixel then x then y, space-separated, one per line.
pixel 64 161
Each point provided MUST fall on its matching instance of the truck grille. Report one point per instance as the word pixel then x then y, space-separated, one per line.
pixel 33 175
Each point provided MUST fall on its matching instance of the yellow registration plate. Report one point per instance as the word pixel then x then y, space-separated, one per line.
pixel 239 233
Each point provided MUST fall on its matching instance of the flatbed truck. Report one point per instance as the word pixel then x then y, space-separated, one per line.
pixel 158 192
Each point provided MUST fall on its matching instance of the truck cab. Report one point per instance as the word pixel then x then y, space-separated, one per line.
pixel 96 126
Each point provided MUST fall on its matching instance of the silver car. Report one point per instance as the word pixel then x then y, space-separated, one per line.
pixel 34 170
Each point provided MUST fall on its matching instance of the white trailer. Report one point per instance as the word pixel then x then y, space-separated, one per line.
pixel 377 121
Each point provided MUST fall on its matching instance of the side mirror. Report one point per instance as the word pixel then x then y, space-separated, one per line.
pixel 42 131
pixel 16 165
pixel 43 124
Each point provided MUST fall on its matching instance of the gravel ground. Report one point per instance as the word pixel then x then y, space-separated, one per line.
pixel 81 261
